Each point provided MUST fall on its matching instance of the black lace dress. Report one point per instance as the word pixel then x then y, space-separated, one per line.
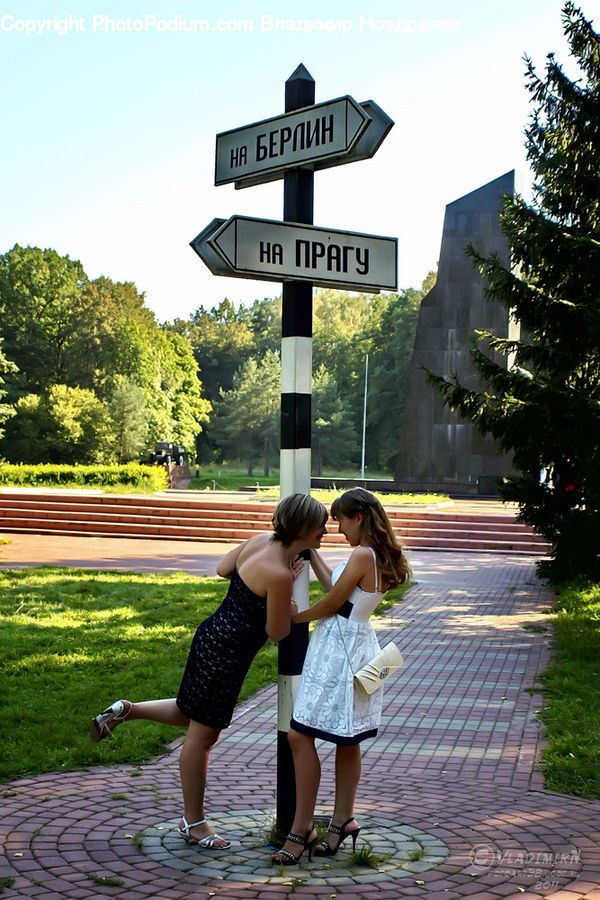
pixel 221 653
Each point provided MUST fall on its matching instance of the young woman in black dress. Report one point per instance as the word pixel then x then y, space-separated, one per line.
pixel 258 606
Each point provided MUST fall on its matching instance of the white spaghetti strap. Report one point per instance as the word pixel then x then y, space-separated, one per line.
pixel 376 571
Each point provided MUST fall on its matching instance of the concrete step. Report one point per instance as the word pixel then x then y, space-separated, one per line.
pixel 128 523
pixel 464 540
pixel 256 512
pixel 190 517
pixel 83 529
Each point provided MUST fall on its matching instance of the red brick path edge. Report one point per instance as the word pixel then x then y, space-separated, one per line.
pixel 452 774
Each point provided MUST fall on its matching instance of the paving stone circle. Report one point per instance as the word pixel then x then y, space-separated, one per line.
pixel 398 851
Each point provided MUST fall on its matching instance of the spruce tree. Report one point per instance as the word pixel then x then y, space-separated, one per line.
pixel 544 405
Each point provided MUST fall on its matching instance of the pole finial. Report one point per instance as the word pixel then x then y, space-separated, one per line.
pixel 301 73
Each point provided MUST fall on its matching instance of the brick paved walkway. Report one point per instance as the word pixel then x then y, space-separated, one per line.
pixel 450 797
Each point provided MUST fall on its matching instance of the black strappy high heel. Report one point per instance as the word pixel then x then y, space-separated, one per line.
pixel 323 849
pixel 290 859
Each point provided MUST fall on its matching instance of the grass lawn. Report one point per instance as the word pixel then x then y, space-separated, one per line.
pixel 231 477
pixel 72 641
pixel 571 687
pixel 228 481
pixel 328 497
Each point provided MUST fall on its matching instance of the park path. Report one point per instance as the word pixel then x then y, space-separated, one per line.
pixel 450 800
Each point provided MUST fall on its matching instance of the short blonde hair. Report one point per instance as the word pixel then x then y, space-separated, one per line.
pixel 295 516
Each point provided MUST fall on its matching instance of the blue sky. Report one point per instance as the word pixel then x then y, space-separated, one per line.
pixel 108 130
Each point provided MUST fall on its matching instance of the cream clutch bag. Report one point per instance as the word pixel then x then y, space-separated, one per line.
pixel 373 674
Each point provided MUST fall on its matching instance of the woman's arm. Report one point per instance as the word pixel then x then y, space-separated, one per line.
pixel 227 563
pixel 321 569
pixel 359 564
pixel 280 605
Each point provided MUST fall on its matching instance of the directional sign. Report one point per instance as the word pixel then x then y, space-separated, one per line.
pixel 365 147
pixel 267 250
pixel 314 136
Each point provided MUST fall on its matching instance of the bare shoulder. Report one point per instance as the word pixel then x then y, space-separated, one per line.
pixel 279 578
pixel 360 562
pixel 361 556
pixel 254 545
pixel 261 566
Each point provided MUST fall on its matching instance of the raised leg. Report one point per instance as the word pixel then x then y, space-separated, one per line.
pixel 165 711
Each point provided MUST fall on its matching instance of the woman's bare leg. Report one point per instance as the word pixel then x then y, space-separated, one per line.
pixel 307 768
pixel 165 711
pixel 347 776
pixel 193 766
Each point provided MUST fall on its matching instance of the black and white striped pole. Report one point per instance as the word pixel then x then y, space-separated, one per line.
pixel 313 136
pixel 296 381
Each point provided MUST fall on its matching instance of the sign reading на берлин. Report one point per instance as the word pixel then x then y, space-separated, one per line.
pixel 280 251
pixel 313 136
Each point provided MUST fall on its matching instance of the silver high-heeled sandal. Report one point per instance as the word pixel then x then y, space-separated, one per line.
pixel 105 722
pixel 207 841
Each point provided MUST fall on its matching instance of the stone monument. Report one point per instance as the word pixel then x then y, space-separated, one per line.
pixel 436 445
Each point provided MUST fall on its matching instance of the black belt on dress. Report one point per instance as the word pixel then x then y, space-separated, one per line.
pixel 345 609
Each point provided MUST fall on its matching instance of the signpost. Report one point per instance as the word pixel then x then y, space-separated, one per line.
pixel 364 147
pixel 292 146
pixel 278 251
pixel 320 134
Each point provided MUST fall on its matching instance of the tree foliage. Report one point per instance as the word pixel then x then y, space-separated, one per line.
pixel 61 330
pixel 62 425
pixel 345 328
pixel 545 404
pixel 248 414
pixel 70 341
pixel 127 410
pixel 333 433
pixel 6 410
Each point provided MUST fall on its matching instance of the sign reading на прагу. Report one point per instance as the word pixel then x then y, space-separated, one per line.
pixel 280 251
pixel 316 136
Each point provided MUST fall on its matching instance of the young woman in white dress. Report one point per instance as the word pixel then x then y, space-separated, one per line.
pixel 327 705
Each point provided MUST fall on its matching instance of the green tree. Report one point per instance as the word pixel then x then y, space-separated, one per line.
pixel 60 328
pixel 128 413
pixel 338 319
pixel 429 281
pixel 23 440
pixel 334 438
pixel 545 405
pixel 389 339
pixel 6 410
pixel 161 362
pixel 40 299
pixel 264 319
pixel 63 425
pixel 247 420
pixel 222 340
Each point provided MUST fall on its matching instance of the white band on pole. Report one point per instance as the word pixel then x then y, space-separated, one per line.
pixel 296 365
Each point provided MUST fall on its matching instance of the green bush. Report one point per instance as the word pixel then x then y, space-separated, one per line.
pixel 132 475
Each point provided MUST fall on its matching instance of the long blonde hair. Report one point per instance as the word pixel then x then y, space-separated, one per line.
pixel 377 532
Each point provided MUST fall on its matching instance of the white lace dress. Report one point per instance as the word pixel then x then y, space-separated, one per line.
pixel 327 705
